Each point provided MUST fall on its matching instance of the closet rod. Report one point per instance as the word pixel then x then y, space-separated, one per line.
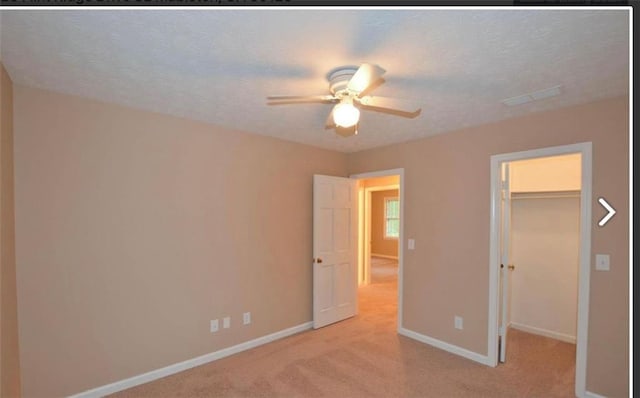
pixel 545 195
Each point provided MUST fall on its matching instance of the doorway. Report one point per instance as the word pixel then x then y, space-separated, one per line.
pixel 544 236
pixel 503 267
pixel 380 197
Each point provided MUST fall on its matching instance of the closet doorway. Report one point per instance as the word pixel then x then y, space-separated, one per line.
pixel 380 248
pixel 540 249
pixel 545 246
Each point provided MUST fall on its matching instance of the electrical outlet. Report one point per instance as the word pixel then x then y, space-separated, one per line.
pixel 457 322
pixel 246 318
pixel 226 322
pixel 213 327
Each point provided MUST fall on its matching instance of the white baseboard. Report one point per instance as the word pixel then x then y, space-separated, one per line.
pixel 483 359
pixel 190 363
pixel 588 394
pixel 544 332
pixel 384 256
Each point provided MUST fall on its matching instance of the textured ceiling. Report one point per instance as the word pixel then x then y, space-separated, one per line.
pixel 218 65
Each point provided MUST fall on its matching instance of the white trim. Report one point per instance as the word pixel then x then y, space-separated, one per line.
pixel 584 272
pixel 585 149
pixel 385 173
pixel 544 332
pixel 589 394
pixel 382 187
pixel 474 356
pixel 631 70
pixel 361 225
pixel 190 363
pixel 365 238
pixel 384 256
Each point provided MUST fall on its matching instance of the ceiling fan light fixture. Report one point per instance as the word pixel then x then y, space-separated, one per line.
pixel 346 115
pixel 347 85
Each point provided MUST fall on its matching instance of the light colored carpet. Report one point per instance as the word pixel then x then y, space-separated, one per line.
pixel 365 357
pixel 383 270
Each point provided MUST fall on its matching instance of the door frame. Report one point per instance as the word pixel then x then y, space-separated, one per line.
pixel 584 269
pixel 365 228
pixel 504 294
pixel 362 235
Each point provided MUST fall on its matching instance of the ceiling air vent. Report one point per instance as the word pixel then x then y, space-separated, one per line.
pixel 534 96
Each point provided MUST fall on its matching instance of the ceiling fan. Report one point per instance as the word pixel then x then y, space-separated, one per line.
pixel 347 85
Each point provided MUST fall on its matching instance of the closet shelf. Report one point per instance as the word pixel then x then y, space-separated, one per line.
pixel 545 194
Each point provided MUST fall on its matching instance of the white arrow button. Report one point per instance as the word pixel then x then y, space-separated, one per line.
pixel 611 211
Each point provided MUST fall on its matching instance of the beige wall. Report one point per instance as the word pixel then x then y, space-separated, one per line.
pixel 9 358
pixel 135 229
pixel 380 245
pixel 554 173
pixel 447 207
pixel 381 181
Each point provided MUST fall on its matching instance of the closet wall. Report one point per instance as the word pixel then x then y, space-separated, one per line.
pixel 545 245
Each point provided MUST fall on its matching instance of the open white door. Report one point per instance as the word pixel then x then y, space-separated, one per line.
pixel 335 245
pixel 505 265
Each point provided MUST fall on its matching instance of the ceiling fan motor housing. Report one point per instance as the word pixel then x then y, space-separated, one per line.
pixel 339 79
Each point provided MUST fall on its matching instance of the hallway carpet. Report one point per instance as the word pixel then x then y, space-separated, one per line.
pixel 364 357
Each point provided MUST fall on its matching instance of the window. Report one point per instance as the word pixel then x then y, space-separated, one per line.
pixel 391 218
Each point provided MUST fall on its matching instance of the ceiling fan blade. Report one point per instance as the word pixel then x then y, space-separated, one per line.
pixel 366 75
pixel 392 104
pixel 288 99
pixel 329 124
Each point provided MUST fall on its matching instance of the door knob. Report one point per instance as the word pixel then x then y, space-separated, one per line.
pixel 317 260
pixel 511 267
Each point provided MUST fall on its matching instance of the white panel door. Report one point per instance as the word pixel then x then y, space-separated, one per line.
pixel 505 265
pixel 335 245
